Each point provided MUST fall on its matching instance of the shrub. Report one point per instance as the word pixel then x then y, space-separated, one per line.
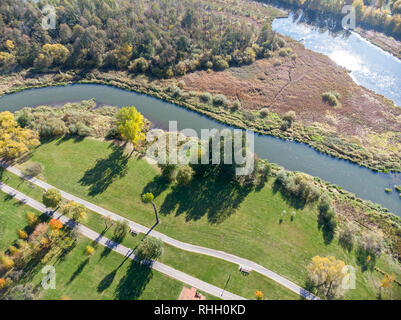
pixel 249 116
pixel 33 170
pixel 330 98
pixel 2 283
pixel 290 116
pixel 347 236
pixel 6 261
pixel 220 100
pixel 259 295
pixel 181 84
pixel 31 219
pixel 83 130
pixel 22 234
pixel 139 65
pixel 220 64
pixel 205 97
pixel 149 248
pixel 169 172
pixel 236 105
pixel 264 112
pixel 89 250
pixel 184 175
pixel 23 120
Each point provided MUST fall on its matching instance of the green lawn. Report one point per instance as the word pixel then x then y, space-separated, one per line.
pixel 208 269
pixel 206 213
pixel 102 276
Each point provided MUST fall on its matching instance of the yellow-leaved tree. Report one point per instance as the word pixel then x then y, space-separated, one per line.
pixel 326 275
pixel 14 140
pixel 130 124
pixel 52 55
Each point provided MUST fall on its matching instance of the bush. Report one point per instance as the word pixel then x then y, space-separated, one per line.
pixel 205 97
pixel 22 234
pixel 236 105
pixel 23 120
pixel 169 171
pixel 139 65
pixel 89 250
pixel 264 112
pixel 31 219
pixel 83 130
pixel 347 236
pixel 220 64
pixel 149 249
pixel 220 100
pixel 181 84
pixel 6 261
pixel 290 116
pixel 330 98
pixel 184 175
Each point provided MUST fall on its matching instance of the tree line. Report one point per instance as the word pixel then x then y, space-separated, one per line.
pixel 160 37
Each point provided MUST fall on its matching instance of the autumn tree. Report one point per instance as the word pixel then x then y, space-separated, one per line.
pixel 131 124
pixel 52 198
pixel 259 295
pixel 52 55
pixel 14 140
pixel 326 275
pixel 75 210
pixel 32 219
pixel 89 250
pixel 55 224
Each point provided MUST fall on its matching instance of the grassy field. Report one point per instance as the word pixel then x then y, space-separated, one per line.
pixel 105 275
pixel 206 213
pixel 209 269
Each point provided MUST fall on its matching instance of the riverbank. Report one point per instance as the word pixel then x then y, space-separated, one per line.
pixel 365 128
pixel 387 43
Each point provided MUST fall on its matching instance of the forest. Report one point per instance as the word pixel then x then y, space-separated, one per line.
pixel 160 37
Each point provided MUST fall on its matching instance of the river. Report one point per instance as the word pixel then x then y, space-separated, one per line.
pixel 363 182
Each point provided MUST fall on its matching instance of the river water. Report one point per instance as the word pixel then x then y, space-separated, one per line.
pixel 369 65
pixel 365 183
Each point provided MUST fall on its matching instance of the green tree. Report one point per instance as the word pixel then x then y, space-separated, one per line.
pixel 149 248
pixel 131 125
pixel 148 198
pixel 52 198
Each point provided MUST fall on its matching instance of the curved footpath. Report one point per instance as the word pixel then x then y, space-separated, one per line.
pixel 181 245
pixel 128 253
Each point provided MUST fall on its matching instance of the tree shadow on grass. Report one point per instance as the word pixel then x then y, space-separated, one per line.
pixel 77 272
pixel 327 231
pixel 134 282
pixel 214 193
pixel 106 171
pixel 292 201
